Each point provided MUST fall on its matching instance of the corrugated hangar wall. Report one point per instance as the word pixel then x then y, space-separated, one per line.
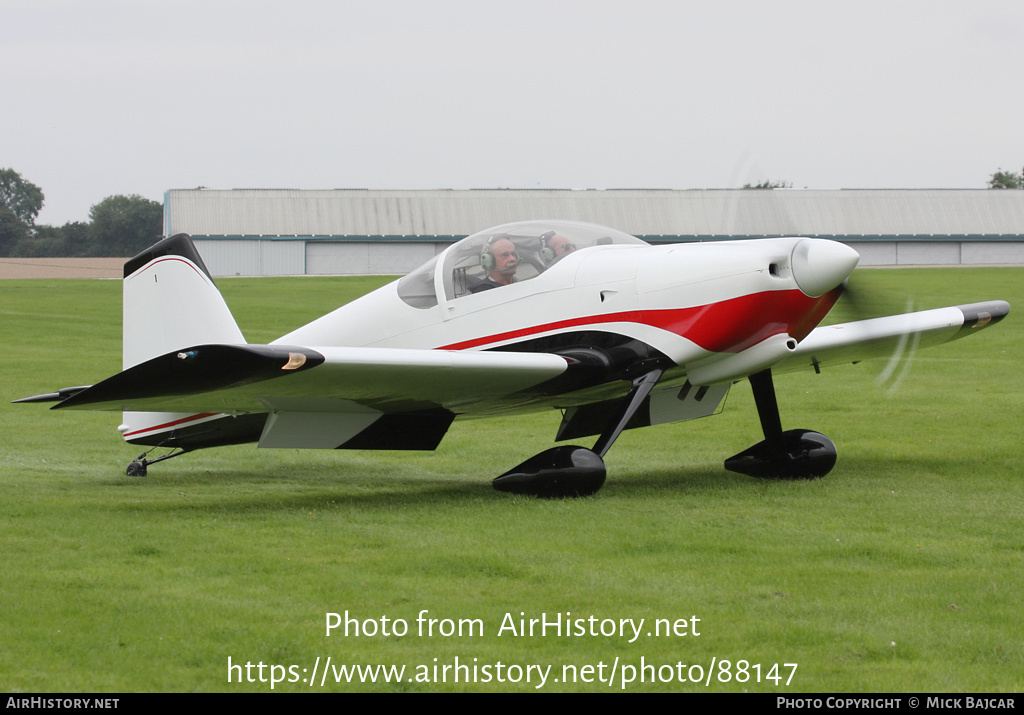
pixel 384 232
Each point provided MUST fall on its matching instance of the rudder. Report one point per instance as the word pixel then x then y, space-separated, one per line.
pixel 171 302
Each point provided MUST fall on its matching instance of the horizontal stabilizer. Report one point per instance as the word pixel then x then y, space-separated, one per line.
pixel 238 379
pixel 57 396
pixel 191 371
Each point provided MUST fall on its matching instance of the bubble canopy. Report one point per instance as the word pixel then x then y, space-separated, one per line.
pixel 512 252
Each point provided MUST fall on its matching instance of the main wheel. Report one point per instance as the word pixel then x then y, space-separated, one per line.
pixel 800 454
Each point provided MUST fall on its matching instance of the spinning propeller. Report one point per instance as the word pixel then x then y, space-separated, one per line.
pixel 862 302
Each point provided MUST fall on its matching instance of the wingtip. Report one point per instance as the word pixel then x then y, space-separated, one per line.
pixel 979 315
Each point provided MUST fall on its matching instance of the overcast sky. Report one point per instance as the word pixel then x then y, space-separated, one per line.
pixel 136 97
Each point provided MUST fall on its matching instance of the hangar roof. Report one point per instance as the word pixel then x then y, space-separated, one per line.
pixel 641 212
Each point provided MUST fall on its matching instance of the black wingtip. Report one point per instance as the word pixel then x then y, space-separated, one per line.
pixel 980 315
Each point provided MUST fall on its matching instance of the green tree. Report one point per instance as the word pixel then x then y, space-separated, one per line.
pixel 124 225
pixel 22 198
pixel 71 239
pixel 12 231
pixel 1006 180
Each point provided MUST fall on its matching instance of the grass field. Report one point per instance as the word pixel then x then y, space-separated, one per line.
pixel 903 570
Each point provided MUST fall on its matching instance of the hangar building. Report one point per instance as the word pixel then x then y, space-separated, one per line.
pixel 389 232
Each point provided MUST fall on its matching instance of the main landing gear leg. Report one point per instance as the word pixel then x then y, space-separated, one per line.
pixel 796 454
pixel 139 467
pixel 575 471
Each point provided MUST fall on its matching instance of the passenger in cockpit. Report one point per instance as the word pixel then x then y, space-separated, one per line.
pixel 500 259
pixel 553 246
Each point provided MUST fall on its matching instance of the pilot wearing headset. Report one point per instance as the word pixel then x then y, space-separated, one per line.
pixel 500 259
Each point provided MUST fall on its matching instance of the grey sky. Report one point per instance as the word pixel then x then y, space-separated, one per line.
pixel 109 97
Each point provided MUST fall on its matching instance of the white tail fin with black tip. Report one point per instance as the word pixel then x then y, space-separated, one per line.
pixel 171 302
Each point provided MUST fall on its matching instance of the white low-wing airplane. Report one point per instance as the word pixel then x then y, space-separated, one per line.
pixel 525 317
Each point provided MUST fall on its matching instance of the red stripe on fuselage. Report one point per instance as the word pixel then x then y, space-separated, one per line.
pixel 167 425
pixel 727 326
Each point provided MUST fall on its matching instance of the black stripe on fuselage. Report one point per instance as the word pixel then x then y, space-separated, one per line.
pixel 597 357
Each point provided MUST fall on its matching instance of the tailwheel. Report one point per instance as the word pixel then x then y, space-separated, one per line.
pixel 139 467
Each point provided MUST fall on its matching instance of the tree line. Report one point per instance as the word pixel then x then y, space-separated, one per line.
pixel 999 180
pixel 125 225
pixel 117 226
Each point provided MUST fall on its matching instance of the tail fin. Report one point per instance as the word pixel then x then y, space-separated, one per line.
pixel 171 302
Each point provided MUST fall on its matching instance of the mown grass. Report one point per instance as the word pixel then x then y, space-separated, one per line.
pixel 900 571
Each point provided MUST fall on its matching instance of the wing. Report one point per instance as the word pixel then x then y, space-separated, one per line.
pixel 880 337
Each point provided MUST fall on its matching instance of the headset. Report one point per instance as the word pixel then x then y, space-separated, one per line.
pixel 487 258
pixel 546 253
